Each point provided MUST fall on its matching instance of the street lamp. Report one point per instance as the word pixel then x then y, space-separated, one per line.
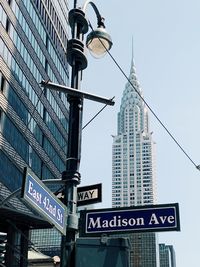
pixel 98 42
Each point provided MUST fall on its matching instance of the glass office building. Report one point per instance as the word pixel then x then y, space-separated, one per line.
pixel 133 168
pixel 167 256
pixel 33 121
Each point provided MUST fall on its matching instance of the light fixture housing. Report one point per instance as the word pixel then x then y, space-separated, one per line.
pixel 98 42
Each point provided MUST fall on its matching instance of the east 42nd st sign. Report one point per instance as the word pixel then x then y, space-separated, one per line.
pixel 39 197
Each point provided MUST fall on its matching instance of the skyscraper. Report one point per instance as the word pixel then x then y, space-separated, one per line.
pixel 133 181
pixel 33 121
pixel 167 256
pixel 133 170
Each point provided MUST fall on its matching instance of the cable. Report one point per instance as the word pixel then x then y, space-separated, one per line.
pixel 63 147
pixel 96 115
pixel 154 114
pixel 151 110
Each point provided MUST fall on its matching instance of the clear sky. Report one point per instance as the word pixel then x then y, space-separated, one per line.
pixel 167 58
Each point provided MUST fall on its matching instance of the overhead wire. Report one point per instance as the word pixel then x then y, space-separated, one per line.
pixel 96 115
pixel 149 107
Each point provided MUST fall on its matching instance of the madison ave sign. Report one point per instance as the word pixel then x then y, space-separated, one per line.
pixel 39 197
pixel 154 218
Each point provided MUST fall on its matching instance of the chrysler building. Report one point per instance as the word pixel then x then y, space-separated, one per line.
pixel 133 168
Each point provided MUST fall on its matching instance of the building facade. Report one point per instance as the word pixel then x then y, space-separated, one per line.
pixel 167 256
pixel 133 167
pixel 33 121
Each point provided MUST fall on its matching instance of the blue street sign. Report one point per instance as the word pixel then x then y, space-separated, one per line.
pixel 36 194
pixel 154 218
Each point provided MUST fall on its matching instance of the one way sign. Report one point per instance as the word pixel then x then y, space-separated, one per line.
pixel 86 195
pixel 89 194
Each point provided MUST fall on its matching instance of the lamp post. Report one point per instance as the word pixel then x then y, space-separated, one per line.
pixel 98 42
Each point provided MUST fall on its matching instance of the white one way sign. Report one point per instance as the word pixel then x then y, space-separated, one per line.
pixel 89 194
pixel 86 195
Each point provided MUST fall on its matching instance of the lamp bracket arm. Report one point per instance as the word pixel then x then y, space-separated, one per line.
pixel 100 19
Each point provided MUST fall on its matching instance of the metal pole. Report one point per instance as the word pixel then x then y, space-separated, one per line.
pixel 78 62
pixel 75 3
pixel 71 176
